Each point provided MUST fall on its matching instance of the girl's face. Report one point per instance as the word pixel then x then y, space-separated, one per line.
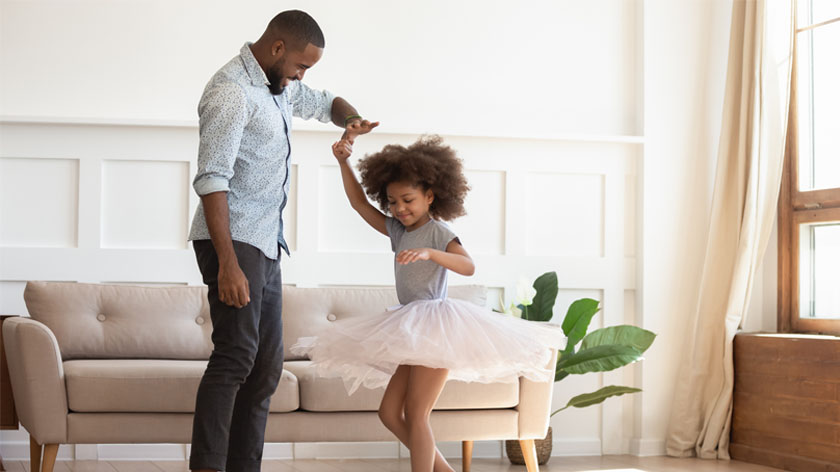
pixel 409 203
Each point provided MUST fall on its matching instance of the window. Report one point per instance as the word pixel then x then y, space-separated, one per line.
pixel 809 202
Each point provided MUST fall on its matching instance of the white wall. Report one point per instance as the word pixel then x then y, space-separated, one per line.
pixel 686 47
pixel 685 57
pixel 461 67
pixel 588 129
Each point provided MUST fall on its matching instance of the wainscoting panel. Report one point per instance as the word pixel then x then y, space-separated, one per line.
pixel 482 230
pixel 145 204
pixel 565 215
pixel 38 202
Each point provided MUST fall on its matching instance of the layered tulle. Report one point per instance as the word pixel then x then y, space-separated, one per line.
pixel 474 343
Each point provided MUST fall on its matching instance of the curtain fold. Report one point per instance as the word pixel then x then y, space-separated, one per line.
pixel 747 181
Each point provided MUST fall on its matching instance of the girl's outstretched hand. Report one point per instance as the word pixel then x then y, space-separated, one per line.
pixel 342 149
pixel 413 255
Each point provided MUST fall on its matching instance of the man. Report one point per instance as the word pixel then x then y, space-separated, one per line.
pixel 243 181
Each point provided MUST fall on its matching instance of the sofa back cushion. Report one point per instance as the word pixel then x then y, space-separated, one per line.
pixel 307 310
pixel 97 321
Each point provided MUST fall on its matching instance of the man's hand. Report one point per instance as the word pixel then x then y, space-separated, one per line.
pixel 342 149
pixel 413 255
pixel 357 127
pixel 233 286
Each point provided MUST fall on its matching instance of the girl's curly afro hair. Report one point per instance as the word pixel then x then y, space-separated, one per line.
pixel 429 164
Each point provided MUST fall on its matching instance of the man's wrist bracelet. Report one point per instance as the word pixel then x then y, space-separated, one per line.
pixel 351 117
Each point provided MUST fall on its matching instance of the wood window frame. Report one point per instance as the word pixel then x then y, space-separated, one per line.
pixel 797 207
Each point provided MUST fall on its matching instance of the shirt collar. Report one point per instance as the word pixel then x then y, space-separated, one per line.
pixel 252 67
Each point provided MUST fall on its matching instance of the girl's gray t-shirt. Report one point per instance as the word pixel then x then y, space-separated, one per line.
pixel 421 280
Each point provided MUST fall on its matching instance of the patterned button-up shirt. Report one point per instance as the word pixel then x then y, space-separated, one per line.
pixel 244 149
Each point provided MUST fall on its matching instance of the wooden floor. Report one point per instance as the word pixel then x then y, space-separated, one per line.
pixel 556 464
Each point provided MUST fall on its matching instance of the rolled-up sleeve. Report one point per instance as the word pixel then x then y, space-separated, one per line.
pixel 223 113
pixel 308 103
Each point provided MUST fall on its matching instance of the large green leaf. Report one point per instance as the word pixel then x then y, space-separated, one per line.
pixel 594 398
pixel 599 359
pixel 543 306
pixel 577 319
pixel 560 374
pixel 624 335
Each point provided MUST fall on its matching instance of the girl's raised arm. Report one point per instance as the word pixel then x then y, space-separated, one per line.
pixel 342 150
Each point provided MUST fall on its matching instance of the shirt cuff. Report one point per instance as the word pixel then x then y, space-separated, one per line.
pixel 210 184
pixel 327 116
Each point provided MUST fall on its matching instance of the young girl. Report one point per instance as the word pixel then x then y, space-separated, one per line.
pixel 414 349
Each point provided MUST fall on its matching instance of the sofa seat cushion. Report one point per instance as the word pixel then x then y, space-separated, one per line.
pixel 327 393
pixel 150 386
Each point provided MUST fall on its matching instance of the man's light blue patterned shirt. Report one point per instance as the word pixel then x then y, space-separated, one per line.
pixel 244 149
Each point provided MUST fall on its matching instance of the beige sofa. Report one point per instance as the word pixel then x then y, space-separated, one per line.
pixel 121 364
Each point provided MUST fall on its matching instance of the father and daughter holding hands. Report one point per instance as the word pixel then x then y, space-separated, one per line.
pixel 243 181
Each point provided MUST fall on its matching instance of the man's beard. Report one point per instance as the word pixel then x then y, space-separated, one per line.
pixel 276 87
pixel 275 78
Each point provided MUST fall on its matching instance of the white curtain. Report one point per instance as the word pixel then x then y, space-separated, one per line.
pixel 749 171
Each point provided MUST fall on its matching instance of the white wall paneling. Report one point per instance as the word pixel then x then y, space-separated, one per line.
pixel 520 186
pixel 38 202
pixel 564 215
pixel 145 204
pixel 129 194
pixel 340 229
pixel 11 297
pixel 482 229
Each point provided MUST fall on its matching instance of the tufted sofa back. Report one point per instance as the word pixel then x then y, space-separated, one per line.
pixel 98 321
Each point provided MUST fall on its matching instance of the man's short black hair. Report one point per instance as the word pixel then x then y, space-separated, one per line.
pixel 297 27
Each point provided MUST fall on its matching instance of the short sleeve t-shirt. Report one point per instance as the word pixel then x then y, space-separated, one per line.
pixel 421 280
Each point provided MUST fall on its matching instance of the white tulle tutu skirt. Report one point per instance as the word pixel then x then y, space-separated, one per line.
pixel 473 342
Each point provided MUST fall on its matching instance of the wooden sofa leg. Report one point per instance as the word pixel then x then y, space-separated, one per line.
pixel 529 452
pixel 34 455
pixel 50 453
pixel 466 455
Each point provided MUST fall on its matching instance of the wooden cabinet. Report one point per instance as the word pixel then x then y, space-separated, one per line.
pixel 8 416
pixel 786 410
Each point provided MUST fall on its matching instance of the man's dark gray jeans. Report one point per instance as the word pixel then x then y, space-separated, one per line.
pixel 231 406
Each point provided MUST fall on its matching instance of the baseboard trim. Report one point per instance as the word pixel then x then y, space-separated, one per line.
pixel 576 447
pixel 343 450
pixel 647 447
pixel 19 450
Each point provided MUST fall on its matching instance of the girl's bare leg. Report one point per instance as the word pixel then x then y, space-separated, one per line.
pixel 391 412
pixel 423 390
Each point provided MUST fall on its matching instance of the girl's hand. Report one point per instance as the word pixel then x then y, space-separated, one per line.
pixel 413 255
pixel 342 149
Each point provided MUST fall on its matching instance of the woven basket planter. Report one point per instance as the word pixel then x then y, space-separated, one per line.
pixel 514 452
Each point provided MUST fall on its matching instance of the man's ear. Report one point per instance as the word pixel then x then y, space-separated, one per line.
pixel 278 48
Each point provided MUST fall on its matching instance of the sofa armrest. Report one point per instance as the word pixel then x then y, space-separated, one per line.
pixel 37 376
pixel 535 405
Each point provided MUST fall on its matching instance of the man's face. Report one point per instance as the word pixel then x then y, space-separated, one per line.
pixel 292 65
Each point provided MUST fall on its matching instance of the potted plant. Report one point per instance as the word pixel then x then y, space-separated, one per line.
pixel 601 350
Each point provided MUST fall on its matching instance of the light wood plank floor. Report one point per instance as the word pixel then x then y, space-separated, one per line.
pixel 556 464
